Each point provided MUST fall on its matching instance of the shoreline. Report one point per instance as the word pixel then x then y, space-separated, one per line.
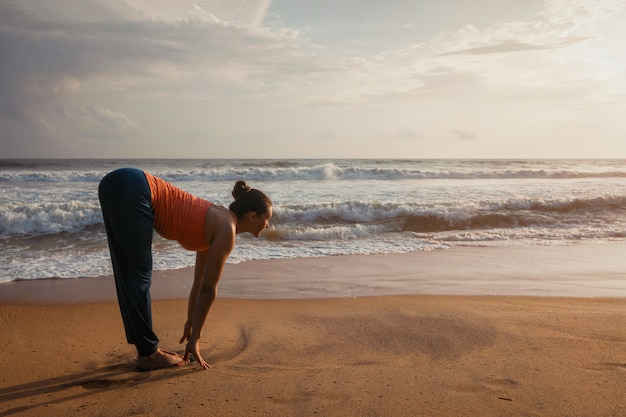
pixel 586 270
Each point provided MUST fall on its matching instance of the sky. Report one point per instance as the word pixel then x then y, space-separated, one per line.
pixel 312 79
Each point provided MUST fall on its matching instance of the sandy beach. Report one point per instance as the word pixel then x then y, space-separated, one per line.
pixel 460 332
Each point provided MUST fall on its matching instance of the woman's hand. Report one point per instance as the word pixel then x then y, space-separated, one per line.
pixel 193 348
pixel 186 332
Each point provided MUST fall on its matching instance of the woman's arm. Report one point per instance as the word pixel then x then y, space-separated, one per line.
pixel 209 267
pixel 201 258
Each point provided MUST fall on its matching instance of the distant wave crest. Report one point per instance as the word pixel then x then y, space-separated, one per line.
pixel 290 171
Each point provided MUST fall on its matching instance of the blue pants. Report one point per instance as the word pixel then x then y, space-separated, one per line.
pixel 127 210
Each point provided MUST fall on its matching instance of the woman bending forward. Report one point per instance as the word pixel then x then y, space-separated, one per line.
pixel 134 203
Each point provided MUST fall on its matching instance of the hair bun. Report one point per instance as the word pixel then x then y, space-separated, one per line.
pixel 249 199
pixel 241 189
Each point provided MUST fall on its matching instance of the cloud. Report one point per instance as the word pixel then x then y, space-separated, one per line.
pixel 512 46
pixel 580 14
pixel 247 13
pixel 544 57
pixel 406 134
pixel 106 122
pixel 55 67
pixel 244 13
pixel 464 135
pixel 152 68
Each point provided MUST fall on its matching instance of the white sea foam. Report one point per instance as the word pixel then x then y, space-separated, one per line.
pixel 48 218
pixel 73 216
pixel 269 170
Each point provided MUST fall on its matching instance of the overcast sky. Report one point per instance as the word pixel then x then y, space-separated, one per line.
pixel 312 79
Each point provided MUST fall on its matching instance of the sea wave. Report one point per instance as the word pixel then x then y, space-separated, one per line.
pixel 291 171
pixel 335 219
pixel 51 222
pixel 48 218
pixel 449 211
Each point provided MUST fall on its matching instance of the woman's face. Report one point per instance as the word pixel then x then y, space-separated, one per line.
pixel 260 223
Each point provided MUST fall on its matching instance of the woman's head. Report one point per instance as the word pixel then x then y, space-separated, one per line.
pixel 249 200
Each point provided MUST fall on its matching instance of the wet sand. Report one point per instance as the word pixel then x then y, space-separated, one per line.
pixel 584 270
pixel 433 352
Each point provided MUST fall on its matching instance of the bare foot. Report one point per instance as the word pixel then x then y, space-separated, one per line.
pixel 159 360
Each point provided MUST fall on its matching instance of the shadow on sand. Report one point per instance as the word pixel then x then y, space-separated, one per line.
pixel 81 385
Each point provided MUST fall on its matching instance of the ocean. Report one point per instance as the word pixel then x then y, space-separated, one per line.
pixel 51 225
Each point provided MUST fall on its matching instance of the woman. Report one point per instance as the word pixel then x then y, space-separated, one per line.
pixel 134 203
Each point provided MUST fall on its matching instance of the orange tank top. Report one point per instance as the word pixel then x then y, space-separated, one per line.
pixel 178 215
